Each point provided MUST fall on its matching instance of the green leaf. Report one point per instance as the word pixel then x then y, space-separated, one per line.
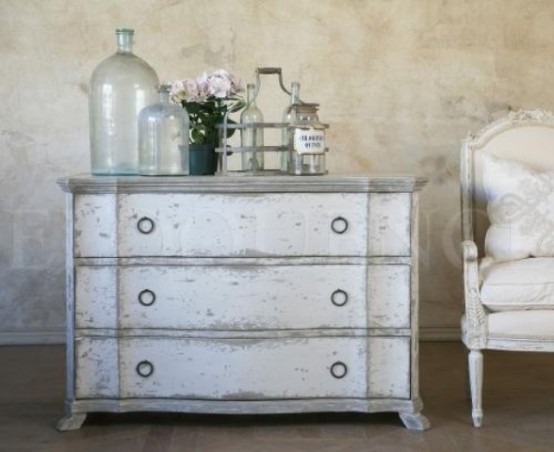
pixel 196 136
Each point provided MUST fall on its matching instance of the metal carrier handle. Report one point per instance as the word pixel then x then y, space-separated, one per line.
pixel 269 71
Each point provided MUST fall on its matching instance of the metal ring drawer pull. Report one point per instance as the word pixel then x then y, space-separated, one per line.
pixel 145 225
pixel 339 225
pixel 339 370
pixel 339 297
pixel 146 297
pixel 145 369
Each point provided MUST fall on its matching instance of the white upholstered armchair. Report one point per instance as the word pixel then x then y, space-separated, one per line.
pixel 507 176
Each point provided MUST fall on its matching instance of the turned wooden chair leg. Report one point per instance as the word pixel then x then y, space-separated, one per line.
pixel 476 384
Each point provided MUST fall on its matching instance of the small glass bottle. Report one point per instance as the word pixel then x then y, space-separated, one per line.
pixel 307 141
pixel 252 162
pixel 288 118
pixel 120 87
pixel 163 137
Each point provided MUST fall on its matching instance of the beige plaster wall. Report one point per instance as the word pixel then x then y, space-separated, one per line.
pixel 400 82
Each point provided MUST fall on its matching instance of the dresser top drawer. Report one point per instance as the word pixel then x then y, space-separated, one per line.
pixel 243 225
pixel 86 184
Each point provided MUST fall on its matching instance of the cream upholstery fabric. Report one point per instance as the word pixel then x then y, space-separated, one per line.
pixel 530 145
pixel 520 209
pixel 518 285
pixel 531 325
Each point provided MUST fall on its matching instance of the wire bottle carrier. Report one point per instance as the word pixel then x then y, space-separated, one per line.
pixel 305 144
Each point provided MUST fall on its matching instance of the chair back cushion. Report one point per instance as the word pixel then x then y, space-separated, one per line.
pixel 520 210
pixel 526 137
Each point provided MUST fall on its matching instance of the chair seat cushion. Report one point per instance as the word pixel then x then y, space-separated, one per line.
pixel 521 325
pixel 518 285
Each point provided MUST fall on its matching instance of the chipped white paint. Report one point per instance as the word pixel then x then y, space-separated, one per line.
pixel 250 225
pixel 388 372
pixel 388 296
pixel 96 364
pixel 96 295
pixel 243 369
pixel 244 296
pixel 246 225
pixel 407 409
pixel 389 224
pixel 95 225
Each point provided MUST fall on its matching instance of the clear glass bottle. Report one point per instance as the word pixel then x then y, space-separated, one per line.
pixel 307 145
pixel 252 162
pixel 120 87
pixel 163 137
pixel 288 118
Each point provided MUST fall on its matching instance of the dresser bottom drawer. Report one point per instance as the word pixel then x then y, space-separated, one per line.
pixel 243 369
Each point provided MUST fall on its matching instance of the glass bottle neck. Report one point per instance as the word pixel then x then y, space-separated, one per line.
pixel 125 40
pixel 250 93
pixel 295 93
pixel 163 97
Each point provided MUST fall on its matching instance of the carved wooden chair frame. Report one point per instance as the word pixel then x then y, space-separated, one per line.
pixel 475 333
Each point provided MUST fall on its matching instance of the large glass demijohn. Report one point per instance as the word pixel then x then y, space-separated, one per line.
pixel 120 87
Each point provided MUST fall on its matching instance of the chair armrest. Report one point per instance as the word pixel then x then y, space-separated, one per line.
pixel 469 251
pixel 475 331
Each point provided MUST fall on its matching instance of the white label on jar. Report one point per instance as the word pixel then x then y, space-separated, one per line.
pixel 309 141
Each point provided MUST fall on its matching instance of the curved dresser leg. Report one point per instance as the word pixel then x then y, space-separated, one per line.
pixel 476 383
pixel 71 422
pixel 415 421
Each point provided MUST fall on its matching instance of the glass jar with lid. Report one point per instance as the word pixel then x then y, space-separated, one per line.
pixel 163 137
pixel 307 145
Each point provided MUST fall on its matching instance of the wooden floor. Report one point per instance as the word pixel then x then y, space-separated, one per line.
pixel 518 404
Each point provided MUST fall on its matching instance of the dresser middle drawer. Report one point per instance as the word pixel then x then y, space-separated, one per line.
pixel 243 297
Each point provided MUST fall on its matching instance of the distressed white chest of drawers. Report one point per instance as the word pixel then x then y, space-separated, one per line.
pixel 242 295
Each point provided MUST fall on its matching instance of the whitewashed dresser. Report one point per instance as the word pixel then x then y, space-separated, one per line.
pixel 242 295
